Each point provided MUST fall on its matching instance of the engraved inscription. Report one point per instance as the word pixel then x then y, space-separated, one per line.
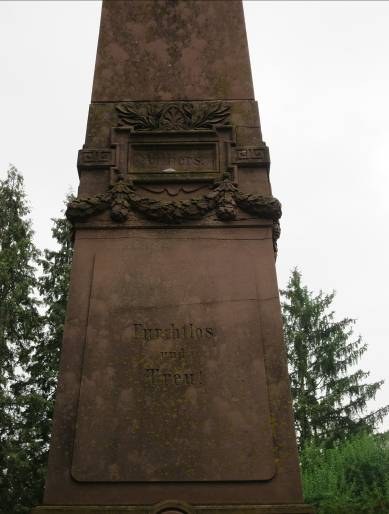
pixel 173 158
pixel 171 367
pixel 173 331
pixel 176 354
pixel 156 376
pixel 175 339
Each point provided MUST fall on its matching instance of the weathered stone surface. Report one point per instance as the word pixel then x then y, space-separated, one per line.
pixel 171 368
pixel 173 380
pixel 233 264
pixel 103 116
pixel 158 50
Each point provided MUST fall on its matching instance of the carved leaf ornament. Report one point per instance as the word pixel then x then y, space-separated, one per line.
pixel 224 199
pixel 173 117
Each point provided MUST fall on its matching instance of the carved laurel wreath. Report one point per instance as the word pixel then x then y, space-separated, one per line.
pixel 172 116
pixel 224 199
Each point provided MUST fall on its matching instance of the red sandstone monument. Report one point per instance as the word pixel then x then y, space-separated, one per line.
pixel 173 393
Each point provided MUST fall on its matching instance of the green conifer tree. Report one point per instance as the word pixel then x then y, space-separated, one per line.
pixel 53 287
pixel 20 329
pixel 330 395
pixel 30 339
pixel 43 366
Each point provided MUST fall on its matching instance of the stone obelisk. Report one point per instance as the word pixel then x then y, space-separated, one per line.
pixel 173 393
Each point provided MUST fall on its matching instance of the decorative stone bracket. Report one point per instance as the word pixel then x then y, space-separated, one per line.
pixel 251 156
pixel 95 158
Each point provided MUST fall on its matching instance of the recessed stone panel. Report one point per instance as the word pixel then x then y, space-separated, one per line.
pixel 177 161
pixel 174 385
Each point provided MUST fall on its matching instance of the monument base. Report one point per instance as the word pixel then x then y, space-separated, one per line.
pixel 176 508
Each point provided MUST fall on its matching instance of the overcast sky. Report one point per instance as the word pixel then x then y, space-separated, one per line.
pixel 321 78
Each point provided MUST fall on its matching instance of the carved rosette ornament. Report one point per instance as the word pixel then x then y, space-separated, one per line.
pixel 223 199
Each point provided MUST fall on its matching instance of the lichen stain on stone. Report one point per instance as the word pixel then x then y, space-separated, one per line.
pixel 169 51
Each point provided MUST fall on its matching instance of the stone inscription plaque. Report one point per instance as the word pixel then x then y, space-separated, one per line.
pixel 174 378
pixel 181 160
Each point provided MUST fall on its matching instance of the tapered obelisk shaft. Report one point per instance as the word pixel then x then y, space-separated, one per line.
pixel 154 50
pixel 173 392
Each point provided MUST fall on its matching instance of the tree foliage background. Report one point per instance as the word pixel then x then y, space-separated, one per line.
pixel 350 478
pixel 345 466
pixel 33 294
pixel 330 394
